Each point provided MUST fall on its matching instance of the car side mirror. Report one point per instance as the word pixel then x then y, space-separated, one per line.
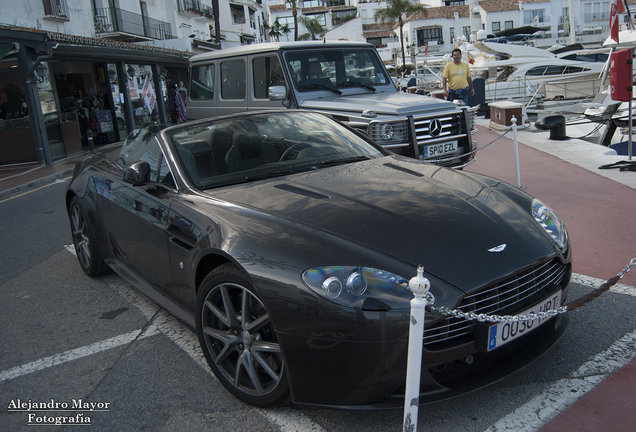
pixel 137 173
pixel 277 93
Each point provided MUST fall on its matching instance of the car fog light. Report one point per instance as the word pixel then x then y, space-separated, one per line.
pixel 332 287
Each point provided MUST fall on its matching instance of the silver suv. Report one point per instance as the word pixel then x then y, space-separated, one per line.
pixel 344 80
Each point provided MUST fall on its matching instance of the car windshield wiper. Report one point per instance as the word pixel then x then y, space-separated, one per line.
pixel 350 82
pixel 320 86
pixel 272 174
pixel 344 160
pixel 253 177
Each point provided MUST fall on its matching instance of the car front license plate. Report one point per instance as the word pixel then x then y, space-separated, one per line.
pixel 504 332
pixel 440 149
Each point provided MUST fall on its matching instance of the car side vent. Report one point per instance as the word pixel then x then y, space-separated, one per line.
pixel 301 191
pixel 406 170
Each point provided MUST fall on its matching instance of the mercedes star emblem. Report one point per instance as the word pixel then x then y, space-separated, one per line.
pixel 435 127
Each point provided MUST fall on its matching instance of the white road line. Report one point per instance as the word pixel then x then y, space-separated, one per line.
pixel 595 283
pixel 555 399
pixel 289 420
pixel 67 356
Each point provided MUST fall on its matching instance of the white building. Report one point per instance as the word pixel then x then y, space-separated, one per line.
pixel 61 58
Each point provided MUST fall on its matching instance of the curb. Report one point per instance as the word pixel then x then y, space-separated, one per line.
pixel 35 183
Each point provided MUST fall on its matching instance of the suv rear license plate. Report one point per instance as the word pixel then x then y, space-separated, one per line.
pixel 440 149
pixel 504 332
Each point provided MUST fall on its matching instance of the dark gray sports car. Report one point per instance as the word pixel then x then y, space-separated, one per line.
pixel 287 240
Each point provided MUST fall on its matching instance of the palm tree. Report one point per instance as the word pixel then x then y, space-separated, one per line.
pixel 275 31
pixel 295 15
pixel 285 30
pixel 395 11
pixel 217 21
pixel 313 27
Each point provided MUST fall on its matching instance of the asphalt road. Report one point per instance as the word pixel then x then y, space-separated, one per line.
pixel 68 339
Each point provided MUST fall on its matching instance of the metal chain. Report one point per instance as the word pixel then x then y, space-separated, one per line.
pixel 472 316
pixel 469 153
pixel 627 268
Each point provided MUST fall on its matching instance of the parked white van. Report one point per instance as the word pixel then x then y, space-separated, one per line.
pixel 344 80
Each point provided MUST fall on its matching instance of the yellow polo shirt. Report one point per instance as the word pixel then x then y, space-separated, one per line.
pixel 456 75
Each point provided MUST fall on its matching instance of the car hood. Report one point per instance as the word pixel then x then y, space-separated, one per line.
pixel 384 103
pixel 415 212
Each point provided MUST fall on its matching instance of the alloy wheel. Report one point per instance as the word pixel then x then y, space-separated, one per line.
pixel 80 236
pixel 240 339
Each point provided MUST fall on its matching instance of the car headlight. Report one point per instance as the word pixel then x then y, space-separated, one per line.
pixel 551 223
pixel 359 287
pixel 388 132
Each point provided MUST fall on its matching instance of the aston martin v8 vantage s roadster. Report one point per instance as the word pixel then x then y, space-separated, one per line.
pixel 287 239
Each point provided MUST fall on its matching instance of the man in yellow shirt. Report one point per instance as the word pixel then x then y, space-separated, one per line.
pixel 457 76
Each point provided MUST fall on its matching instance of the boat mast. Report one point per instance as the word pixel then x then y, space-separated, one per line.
pixel 571 17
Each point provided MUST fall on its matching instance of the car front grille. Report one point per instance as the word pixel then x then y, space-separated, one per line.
pixel 451 127
pixel 438 129
pixel 509 296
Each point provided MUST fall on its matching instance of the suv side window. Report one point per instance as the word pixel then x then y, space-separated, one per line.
pixel 267 72
pixel 202 86
pixel 233 79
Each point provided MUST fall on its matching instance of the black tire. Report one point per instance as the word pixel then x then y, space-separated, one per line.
pixel 238 338
pixel 88 254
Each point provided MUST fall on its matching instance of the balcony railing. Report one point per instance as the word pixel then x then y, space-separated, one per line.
pixel 596 16
pixel 111 20
pixel 56 9
pixel 194 8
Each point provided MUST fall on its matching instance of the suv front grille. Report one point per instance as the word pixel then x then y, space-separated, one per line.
pixel 509 296
pixel 451 127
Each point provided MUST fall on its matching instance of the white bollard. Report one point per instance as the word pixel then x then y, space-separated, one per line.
pixel 419 285
pixel 514 137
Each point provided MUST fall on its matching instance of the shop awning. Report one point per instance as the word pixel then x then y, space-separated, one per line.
pixel 5 50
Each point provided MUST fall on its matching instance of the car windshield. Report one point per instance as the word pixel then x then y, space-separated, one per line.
pixel 336 69
pixel 251 147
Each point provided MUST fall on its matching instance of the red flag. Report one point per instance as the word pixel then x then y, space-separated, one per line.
pixel 620 7
pixel 613 24
pixel 426 50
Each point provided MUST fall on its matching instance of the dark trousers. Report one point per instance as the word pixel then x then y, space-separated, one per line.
pixel 463 94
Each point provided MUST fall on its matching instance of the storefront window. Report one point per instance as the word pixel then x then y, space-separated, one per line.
pixel 85 104
pixel 117 95
pixel 49 111
pixel 143 95
pixel 173 79
pixel 16 136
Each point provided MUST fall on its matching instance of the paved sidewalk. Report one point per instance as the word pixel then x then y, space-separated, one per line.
pixel 15 179
pixel 599 210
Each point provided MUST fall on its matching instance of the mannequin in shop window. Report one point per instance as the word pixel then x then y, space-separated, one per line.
pixel 180 108
pixel 182 91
